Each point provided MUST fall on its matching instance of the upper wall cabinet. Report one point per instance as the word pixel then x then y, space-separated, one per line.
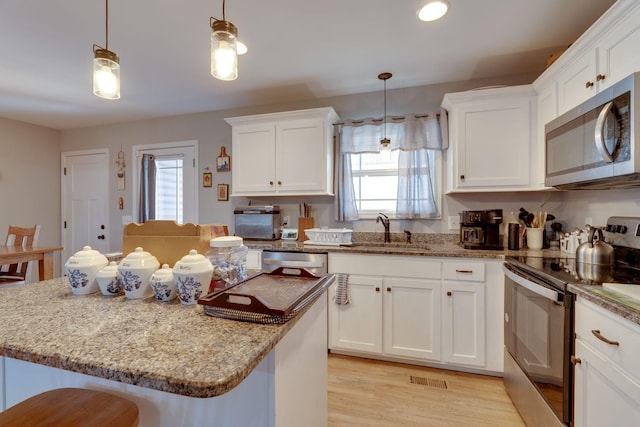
pixel 492 140
pixel 285 154
pixel 605 54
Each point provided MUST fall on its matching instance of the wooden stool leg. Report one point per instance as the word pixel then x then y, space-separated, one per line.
pixel 72 407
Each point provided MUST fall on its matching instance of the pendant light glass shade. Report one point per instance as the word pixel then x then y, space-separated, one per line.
pixel 106 74
pixel 224 54
pixel 106 67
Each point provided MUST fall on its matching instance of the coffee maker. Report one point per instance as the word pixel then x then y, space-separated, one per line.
pixel 481 229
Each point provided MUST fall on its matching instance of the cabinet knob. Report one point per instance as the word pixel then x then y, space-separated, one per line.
pixel 377 289
pixel 462 177
pixel 270 182
pixel 388 289
pixel 279 182
pixel 588 85
pixel 449 293
pixel 600 77
pixel 575 360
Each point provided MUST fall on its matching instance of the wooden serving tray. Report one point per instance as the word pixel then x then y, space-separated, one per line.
pixel 277 293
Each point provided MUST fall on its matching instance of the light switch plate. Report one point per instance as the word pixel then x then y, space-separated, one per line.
pixel 454 222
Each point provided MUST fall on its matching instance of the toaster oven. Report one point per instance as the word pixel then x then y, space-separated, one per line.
pixel 257 222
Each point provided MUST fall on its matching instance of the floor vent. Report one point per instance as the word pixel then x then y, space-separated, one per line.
pixel 429 382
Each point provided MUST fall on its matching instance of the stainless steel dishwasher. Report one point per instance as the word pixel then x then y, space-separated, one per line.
pixel 316 263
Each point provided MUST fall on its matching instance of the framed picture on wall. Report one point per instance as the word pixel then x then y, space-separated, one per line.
pixel 207 179
pixel 223 192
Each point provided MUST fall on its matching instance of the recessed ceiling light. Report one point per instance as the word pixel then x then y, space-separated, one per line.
pixel 433 10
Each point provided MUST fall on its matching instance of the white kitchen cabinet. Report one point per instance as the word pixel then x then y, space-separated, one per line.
pixel 289 153
pixel 357 325
pixel 606 375
pixel 463 308
pixel 602 56
pixel 492 140
pixel 394 316
pixel 441 311
pixel 411 316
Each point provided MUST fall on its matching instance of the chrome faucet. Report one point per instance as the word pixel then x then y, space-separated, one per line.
pixel 385 223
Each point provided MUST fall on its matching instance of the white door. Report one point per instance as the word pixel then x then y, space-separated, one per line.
pixel 85 184
pixel 176 162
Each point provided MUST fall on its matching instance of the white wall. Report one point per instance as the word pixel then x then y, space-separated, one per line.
pixel 30 181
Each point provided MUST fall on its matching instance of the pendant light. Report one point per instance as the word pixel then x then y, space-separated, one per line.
pixel 106 67
pixel 385 141
pixel 224 53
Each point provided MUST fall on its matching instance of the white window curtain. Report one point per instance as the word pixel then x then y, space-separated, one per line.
pixel 416 136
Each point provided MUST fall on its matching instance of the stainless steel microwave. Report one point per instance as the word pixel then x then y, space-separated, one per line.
pixel 594 145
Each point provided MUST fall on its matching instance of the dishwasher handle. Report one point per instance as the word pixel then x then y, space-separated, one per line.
pixel 286 263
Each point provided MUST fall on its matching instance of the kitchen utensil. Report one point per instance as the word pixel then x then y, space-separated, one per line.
pixel 596 252
pixel 193 277
pixel 108 280
pixel 163 284
pixel 82 268
pixel 135 270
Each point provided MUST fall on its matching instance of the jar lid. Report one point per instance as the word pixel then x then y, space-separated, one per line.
pixel 109 270
pixel 193 258
pixel 165 272
pixel 86 252
pixel 138 253
pixel 226 242
pixel 87 257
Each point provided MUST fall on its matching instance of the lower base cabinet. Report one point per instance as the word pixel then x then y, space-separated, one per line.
pixel 606 374
pixel 419 309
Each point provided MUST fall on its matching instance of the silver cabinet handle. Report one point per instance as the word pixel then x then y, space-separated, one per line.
pixel 599 133
pixel 598 335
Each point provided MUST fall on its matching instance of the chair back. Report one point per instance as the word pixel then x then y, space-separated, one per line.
pixel 20 236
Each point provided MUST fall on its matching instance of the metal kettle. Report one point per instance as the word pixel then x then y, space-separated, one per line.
pixel 595 251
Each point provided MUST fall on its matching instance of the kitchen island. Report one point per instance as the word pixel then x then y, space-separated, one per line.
pixel 180 366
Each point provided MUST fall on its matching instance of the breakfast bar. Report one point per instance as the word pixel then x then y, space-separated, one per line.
pixel 179 365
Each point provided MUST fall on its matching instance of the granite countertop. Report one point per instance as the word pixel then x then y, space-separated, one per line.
pixel 618 303
pixel 163 346
pixel 427 245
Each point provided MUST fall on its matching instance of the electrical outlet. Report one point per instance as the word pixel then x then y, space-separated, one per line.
pixel 285 220
pixel 454 222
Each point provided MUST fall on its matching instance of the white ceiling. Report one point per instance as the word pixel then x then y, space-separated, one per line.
pixel 298 50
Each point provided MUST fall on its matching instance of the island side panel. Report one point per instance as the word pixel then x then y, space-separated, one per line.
pixel 249 404
pixel 301 371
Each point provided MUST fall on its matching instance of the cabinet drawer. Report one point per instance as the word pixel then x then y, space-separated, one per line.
pixel 591 318
pixel 470 271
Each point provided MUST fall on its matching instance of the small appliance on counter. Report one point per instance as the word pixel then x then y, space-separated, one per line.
pixel 257 222
pixel 481 229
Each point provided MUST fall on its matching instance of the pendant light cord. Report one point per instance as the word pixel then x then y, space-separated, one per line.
pixel 385 109
pixel 106 24
pixel 223 18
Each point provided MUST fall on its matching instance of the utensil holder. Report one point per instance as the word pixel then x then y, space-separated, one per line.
pixel 304 224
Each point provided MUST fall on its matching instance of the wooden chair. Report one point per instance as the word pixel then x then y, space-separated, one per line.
pixel 72 407
pixel 18 274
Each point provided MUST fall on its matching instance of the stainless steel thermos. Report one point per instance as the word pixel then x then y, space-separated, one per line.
pixel 514 236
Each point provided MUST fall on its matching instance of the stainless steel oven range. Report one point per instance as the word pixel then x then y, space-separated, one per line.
pixel 539 330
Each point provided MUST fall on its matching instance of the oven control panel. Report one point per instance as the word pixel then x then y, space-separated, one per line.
pixel 623 231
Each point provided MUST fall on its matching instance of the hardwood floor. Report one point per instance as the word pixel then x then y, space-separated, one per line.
pixel 364 392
